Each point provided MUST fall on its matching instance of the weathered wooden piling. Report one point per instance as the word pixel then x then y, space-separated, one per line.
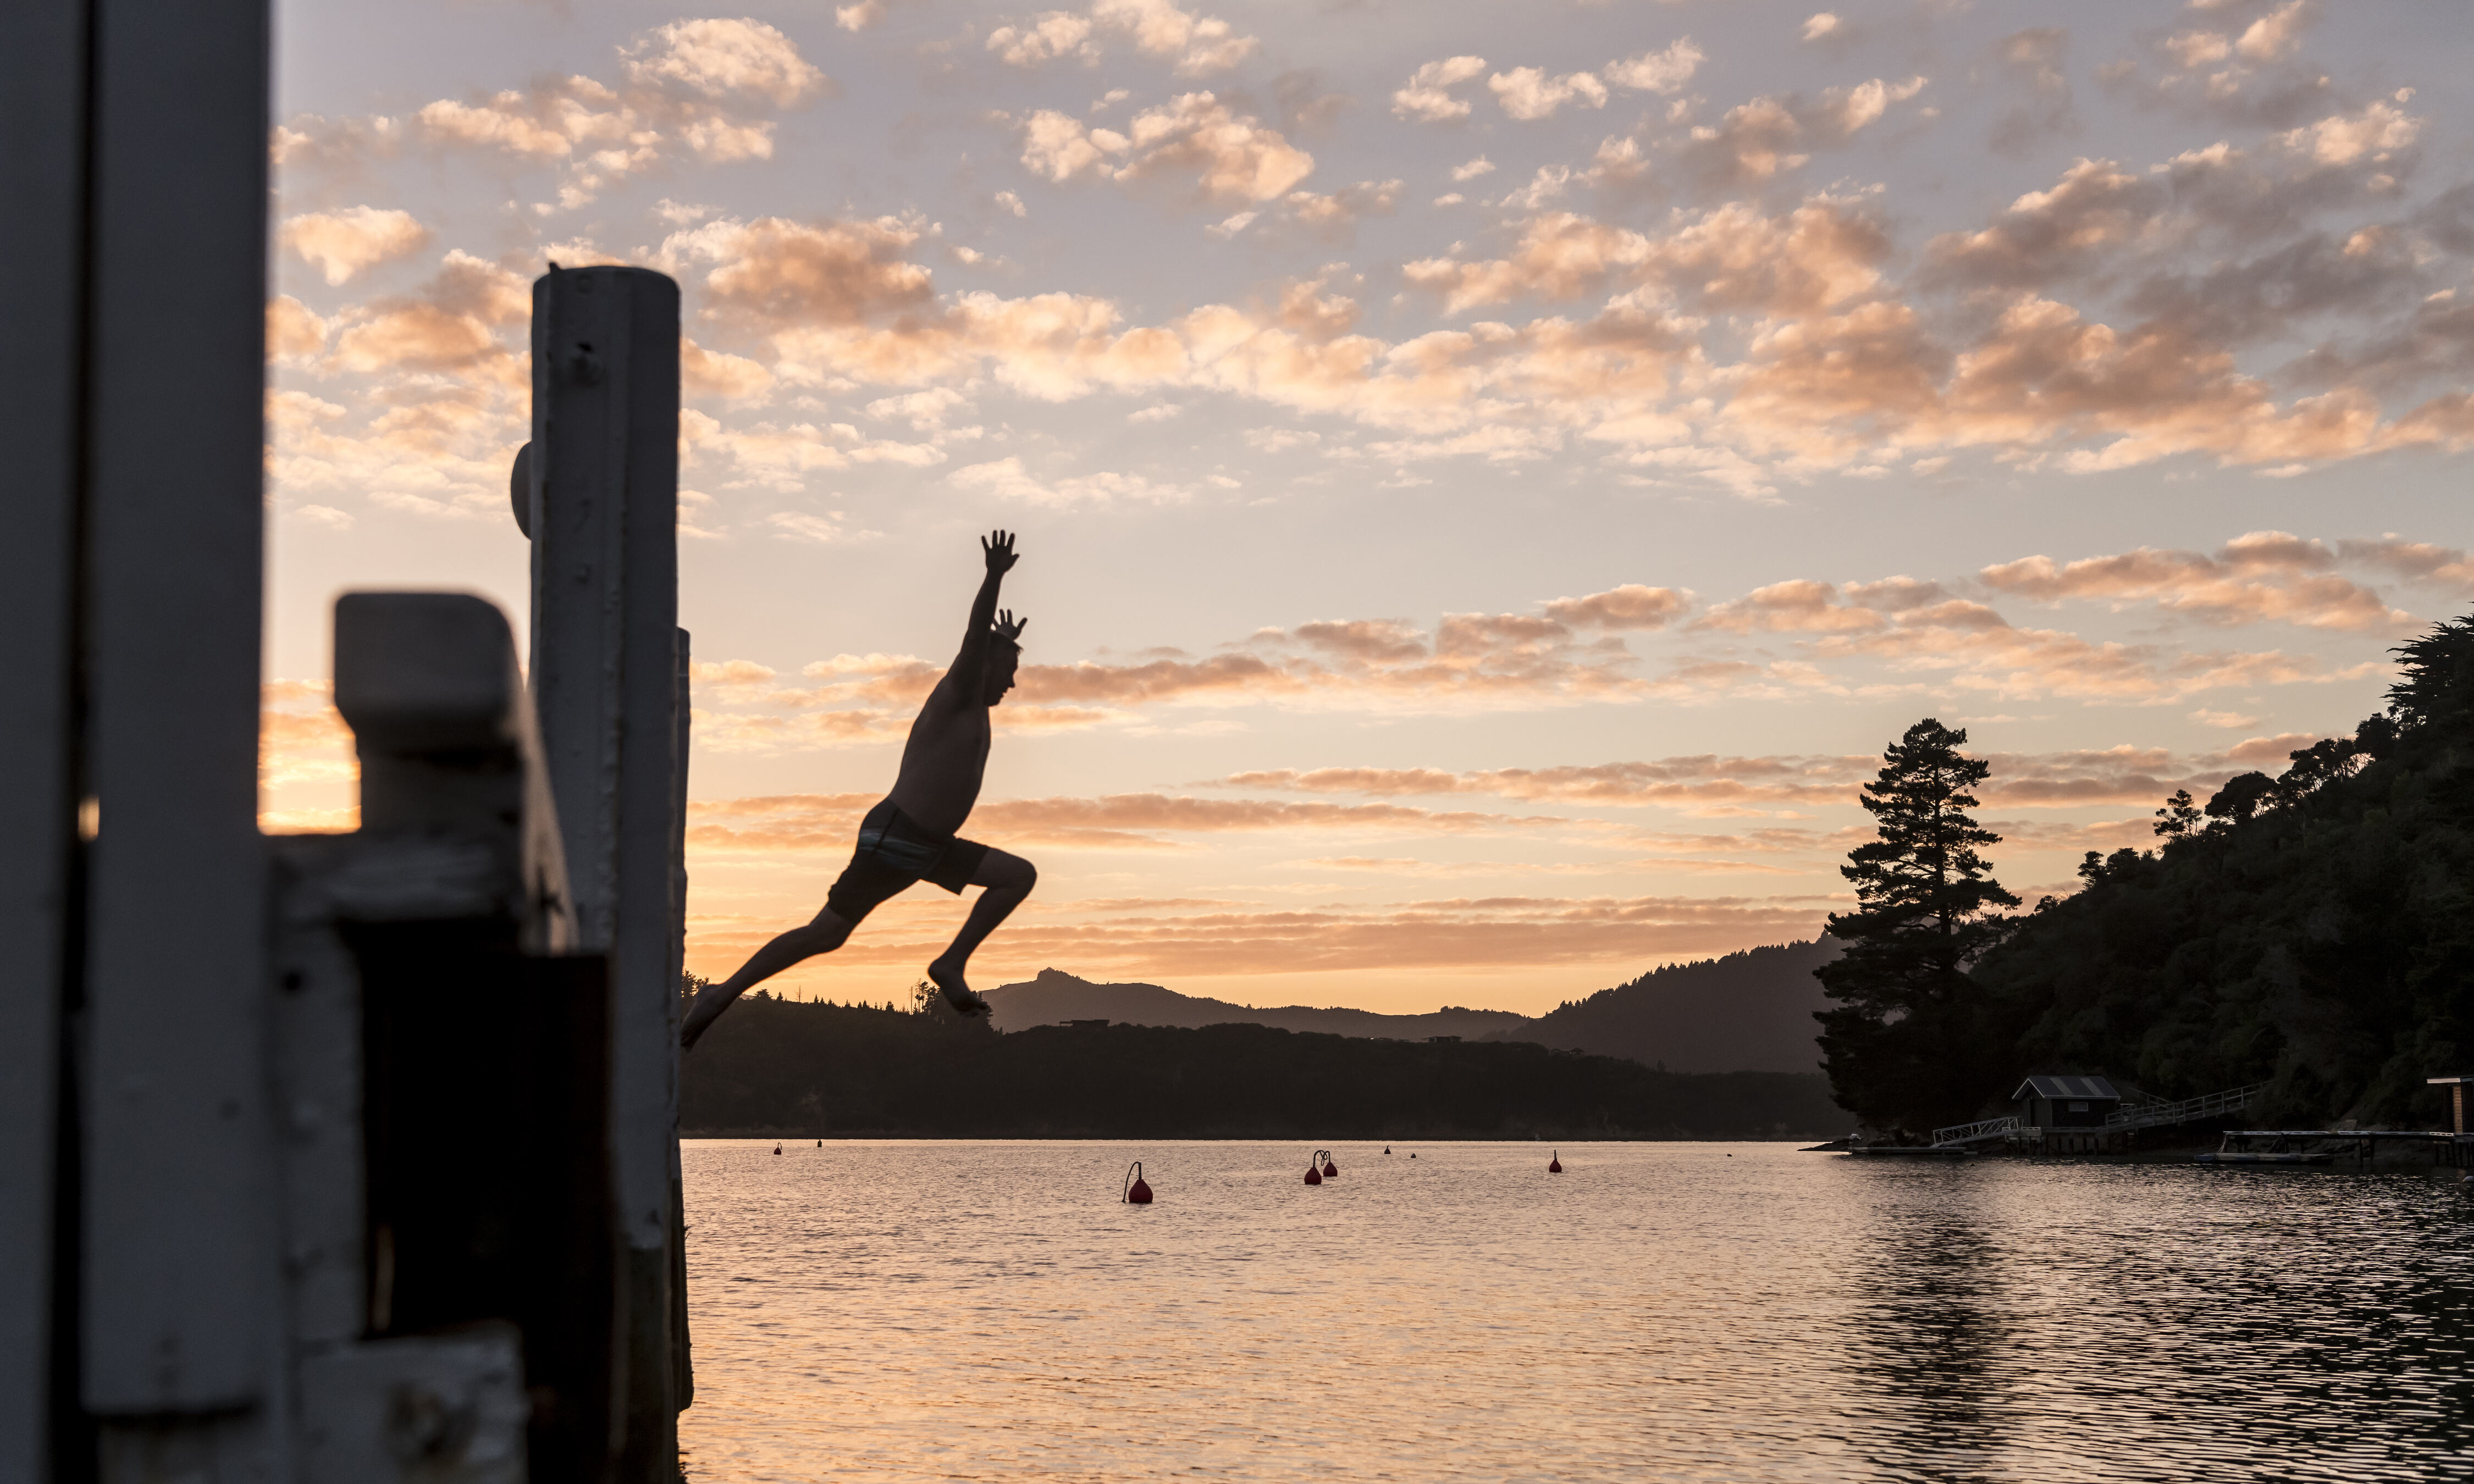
pixel 603 518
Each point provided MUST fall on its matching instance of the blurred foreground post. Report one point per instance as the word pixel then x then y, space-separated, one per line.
pixel 331 1156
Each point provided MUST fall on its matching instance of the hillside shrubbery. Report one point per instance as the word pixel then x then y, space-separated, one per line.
pixel 2314 930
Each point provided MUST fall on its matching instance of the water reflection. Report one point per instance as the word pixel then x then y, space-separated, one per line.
pixel 1925 1345
pixel 982 1310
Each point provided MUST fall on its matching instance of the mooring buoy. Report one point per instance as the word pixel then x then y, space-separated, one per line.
pixel 1555 1163
pixel 1136 1192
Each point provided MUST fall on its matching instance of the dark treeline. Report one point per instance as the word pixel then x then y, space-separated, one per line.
pixel 791 1068
pixel 2314 931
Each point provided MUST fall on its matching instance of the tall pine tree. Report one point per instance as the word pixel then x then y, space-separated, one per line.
pixel 1897 1045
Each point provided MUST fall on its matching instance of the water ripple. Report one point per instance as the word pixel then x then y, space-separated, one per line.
pixel 973 1310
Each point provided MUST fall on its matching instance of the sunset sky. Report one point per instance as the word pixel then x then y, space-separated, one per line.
pixel 1490 476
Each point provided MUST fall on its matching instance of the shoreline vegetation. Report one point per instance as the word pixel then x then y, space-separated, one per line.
pixel 2313 932
pixel 800 1069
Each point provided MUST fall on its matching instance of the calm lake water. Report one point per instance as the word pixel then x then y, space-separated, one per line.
pixel 983 1311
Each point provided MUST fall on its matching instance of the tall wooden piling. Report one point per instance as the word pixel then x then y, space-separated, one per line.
pixel 603 498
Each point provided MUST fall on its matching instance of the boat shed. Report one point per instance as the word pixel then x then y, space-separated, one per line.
pixel 2065 1102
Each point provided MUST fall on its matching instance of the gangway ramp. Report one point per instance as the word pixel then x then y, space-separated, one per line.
pixel 2189 1110
pixel 1958 1136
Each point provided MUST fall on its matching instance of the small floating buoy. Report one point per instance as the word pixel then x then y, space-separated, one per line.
pixel 1330 1171
pixel 1555 1163
pixel 820 1143
pixel 1413 1155
pixel 777 1148
pixel 1313 1168
pixel 1137 1193
pixel 1387 1148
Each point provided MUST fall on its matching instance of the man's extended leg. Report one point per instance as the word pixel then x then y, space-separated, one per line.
pixel 1007 879
pixel 822 935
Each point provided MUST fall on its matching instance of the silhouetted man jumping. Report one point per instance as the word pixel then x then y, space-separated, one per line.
pixel 909 837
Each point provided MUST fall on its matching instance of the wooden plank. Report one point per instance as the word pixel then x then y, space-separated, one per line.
pixel 42 115
pixel 179 1263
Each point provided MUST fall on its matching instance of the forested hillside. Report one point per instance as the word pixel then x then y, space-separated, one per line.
pixel 1747 1011
pixel 806 1069
pixel 2314 930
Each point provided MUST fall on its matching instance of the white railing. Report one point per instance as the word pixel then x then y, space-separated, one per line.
pixel 2149 1116
pixel 1975 1133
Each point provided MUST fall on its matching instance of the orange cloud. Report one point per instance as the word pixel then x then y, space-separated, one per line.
pixel 1142 821
pixel 1229 158
pixel 2266 575
pixel 1453 932
pixel 1734 257
pixel 689 84
pixel 340 244
pixel 1710 782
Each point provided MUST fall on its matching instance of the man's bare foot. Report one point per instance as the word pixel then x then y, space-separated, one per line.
pixel 959 995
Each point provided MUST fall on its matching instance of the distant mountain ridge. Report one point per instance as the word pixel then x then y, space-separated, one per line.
pixel 1747 1011
pixel 1055 996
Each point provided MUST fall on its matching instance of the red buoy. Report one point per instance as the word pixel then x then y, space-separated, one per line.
pixel 777 1148
pixel 1554 1164
pixel 1330 1171
pixel 1314 1171
pixel 1137 1193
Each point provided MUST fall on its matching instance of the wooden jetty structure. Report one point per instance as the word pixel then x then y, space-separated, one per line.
pixel 2077 1113
pixel 349 1157
pixel 2448 1147
pixel 2083 1114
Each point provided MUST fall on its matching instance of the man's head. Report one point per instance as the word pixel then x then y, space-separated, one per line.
pixel 1004 656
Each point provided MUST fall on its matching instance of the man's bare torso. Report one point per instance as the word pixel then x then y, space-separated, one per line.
pixel 945 759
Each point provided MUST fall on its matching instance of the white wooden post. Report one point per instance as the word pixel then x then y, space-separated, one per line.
pixel 43 117
pixel 603 471
pixel 180 1271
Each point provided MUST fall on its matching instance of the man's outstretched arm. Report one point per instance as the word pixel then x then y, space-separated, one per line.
pixel 968 675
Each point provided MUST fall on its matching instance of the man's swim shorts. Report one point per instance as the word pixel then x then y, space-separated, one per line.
pixel 893 851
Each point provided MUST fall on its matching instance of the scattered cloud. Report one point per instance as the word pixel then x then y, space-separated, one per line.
pixel 340 244
pixel 1529 94
pixel 691 85
pixel 1226 158
pixel 2264 576
pixel 1007 479
pixel 723 59
pixel 1427 98
pixel 1196 45
pixel 1657 71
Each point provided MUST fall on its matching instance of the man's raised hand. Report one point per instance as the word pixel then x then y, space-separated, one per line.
pixel 998 548
pixel 1008 627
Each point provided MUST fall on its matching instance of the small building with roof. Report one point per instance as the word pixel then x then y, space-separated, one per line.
pixel 2065 1102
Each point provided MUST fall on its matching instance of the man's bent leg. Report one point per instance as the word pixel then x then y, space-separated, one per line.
pixel 1005 879
pixel 823 935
